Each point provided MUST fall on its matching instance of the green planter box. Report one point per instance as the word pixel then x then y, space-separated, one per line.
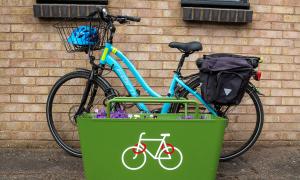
pixel 145 149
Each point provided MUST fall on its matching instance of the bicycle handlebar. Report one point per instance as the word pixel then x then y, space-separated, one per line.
pixel 130 18
pixel 107 17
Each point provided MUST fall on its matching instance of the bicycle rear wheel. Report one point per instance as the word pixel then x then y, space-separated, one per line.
pixel 63 102
pixel 245 121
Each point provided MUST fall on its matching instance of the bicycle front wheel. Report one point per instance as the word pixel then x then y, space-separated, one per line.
pixel 245 121
pixel 63 102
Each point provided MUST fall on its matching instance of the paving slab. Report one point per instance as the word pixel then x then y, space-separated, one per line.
pixel 261 162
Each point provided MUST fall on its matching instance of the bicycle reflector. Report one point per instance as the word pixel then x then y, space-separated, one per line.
pixel 257 76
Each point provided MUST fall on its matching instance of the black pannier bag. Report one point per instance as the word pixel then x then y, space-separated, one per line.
pixel 224 77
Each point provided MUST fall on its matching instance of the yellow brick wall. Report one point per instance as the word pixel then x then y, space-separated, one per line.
pixel 32 58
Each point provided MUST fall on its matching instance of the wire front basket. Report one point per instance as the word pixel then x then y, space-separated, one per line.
pixel 82 36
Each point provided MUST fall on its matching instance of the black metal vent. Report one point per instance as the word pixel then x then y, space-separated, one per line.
pixel 235 4
pixel 66 8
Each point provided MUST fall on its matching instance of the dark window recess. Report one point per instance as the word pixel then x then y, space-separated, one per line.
pixel 235 4
pixel 66 8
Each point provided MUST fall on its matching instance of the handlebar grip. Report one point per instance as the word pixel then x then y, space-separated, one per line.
pixel 133 18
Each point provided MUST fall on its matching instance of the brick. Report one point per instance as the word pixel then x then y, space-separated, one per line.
pixel 270 84
pixel 291 18
pixel 149 13
pixel 35 72
pixel 291 51
pixel 34 108
pixel 4 98
pixel 43 99
pixel 159 5
pixel 5 28
pixel 259 41
pixel 59 71
pixel 224 32
pixel 291 84
pixel 270 67
pixel 22 28
pixel 164 22
pixel 4 80
pixel 261 8
pixel 160 73
pixel 23 98
pixel 36 90
pixel 150 47
pixel 22 117
pixel 138 56
pixel 35 54
pixel 11 72
pixel 271 17
pixel 162 56
pixel 282 59
pixel 270 50
pixel 149 65
pixel 291 34
pixel 22 63
pixel 171 13
pixel 236 41
pixel 11 89
pixel 282 26
pixel 54 37
pixel 150 30
pixel 49 45
pixel 36 37
pixel 289 67
pixel 4 63
pixel 23 80
pixel 297 75
pixel 290 101
pixel 282 75
pixel 11 36
pixel 4 45
pixel 176 31
pixel 280 92
pixel 137 4
pixel 11 54
pixel 282 10
pixel 296 92
pixel 127 46
pixel 261 25
pixel 73 63
pixel 137 38
pixel 282 42
pixel 22 46
pixel 11 107
pixel 128 29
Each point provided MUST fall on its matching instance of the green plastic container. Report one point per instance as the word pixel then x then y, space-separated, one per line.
pixel 166 148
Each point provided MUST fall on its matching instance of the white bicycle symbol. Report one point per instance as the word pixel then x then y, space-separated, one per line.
pixel 164 153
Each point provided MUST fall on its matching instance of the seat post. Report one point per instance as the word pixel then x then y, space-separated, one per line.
pixel 180 64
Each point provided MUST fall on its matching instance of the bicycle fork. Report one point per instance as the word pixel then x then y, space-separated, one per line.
pixel 85 95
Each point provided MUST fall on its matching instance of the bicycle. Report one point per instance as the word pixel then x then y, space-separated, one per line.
pixel 91 84
pixel 141 149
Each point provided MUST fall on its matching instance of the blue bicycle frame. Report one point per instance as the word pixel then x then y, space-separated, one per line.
pixel 117 68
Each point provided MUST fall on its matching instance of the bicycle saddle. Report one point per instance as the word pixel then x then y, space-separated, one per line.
pixel 186 47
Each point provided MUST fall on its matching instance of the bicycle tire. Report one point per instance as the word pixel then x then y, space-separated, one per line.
pixel 102 84
pixel 194 84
